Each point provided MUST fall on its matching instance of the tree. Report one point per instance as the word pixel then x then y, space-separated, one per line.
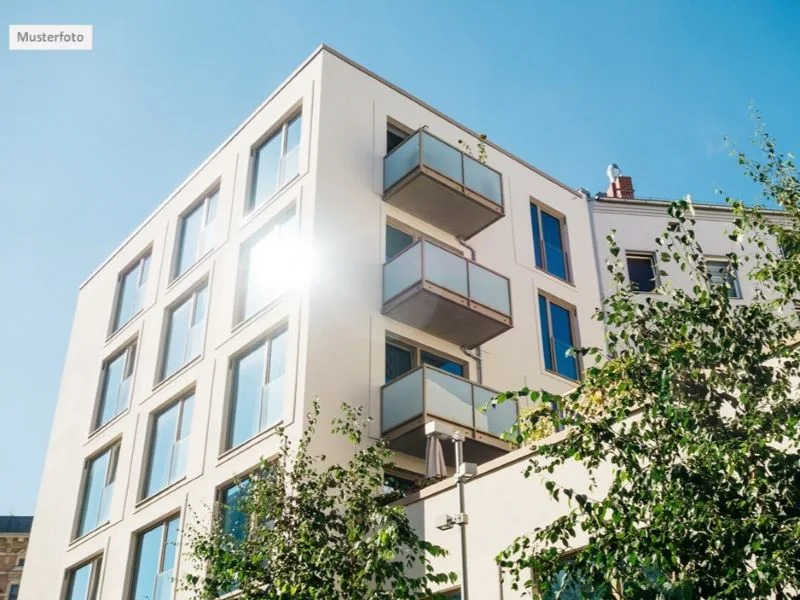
pixel 307 529
pixel 693 407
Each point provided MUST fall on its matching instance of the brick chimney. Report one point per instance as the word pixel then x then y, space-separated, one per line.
pixel 621 187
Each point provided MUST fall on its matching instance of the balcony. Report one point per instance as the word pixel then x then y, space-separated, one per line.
pixel 441 185
pixel 430 394
pixel 445 294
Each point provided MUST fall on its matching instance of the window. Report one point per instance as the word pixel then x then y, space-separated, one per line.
pixel 196 233
pixel 641 271
pixel 275 162
pixel 399 484
pixel 83 581
pixel 100 473
pixel 234 519
pixel 258 390
pixel 130 293
pixel 169 446
pixel 13 591
pixel 156 554
pixel 557 338
pixel 720 272
pixel 268 266
pixel 397 240
pixel 21 562
pixel 185 333
pixel 549 243
pixel 117 383
pixel 402 358
pixel 394 137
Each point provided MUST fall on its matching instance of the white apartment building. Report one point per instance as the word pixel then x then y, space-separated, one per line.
pixel 343 244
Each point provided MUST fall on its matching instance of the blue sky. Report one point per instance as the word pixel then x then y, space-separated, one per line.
pixel 91 142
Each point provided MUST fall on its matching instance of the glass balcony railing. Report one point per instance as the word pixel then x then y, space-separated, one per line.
pixel 425 261
pixel 425 150
pixel 430 392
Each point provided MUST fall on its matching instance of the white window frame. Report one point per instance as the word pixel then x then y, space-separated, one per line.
pixel 206 235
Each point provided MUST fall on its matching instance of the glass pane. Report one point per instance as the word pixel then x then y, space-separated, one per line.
pixel 293 133
pixel 489 289
pixel 442 158
pixel 177 467
pixel 163 589
pixel 548 356
pixel 555 258
pixel 537 237
pixel 186 417
pixel 138 300
pixel 170 549
pixel 290 165
pixel 401 400
pixel 480 178
pixel 397 240
pixel 641 274
pixel 93 493
pixel 401 161
pixel 112 381
pixel 126 300
pixel 177 338
pixel 124 394
pixel 248 380
pixel 188 249
pixel 234 519
pixel 443 363
pixel 104 512
pixel 563 341
pixel 448 397
pixel 148 558
pixel 399 360
pixel 273 393
pixel 496 420
pixel 80 581
pixel 402 272
pixel 445 269
pixel 265 170
pixel 163 438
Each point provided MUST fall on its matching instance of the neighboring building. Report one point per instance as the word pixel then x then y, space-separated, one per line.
pixel 301 260
pixel 14 534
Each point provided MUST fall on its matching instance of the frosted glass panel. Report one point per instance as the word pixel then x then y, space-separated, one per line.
pixel 495 420
pixel 448 397
pixel 402 272
pixel 400 161
pixel 482 179
pixel 489 289
pixel 442 158
pixel 401 400
pixel 445 269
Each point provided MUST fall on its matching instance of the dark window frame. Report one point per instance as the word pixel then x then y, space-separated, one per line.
pixel 539 250
pixel 642 255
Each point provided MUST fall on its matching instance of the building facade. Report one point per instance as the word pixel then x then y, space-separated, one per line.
pixel 347 242
pixel 15 532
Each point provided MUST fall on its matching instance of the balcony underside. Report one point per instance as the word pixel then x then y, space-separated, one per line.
pixel 443 203
pixel 446 315
pixel 479 448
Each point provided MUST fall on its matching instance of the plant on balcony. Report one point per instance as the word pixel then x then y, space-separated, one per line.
pixel 309 529
pixel 481 145
pixel 699 425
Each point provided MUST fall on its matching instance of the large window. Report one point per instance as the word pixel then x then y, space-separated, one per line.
pixel 83 581
pixel 557 338
pixel 402 357
pixel 156 555
pixel 117 383
pixel 275 162
pixel 549 242
pixel 721 271
pixel 268 265
pixel 641 271
pixel 186 328
pixel 13 591
pixel 234 519
pixel 130 292
pixel 100 473
pixel 169 446
pixel 196 233
pixel 258 390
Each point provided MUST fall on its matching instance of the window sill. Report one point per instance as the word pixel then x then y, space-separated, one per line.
pixel 172 376
pixel 247 444
pixel 239 326
pixel 195 266
pixel 90 534
pixel 117 333
pixel 106 426
pixel 144 502
pixel 252 212
pixel 562 377
pixel 568 282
